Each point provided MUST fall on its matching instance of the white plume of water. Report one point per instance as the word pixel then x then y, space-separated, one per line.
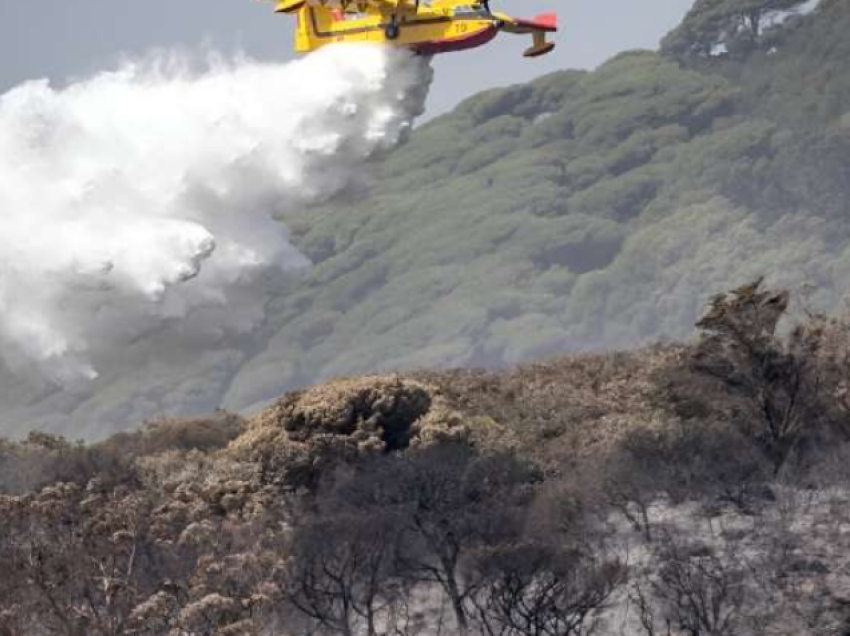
pixel 141 200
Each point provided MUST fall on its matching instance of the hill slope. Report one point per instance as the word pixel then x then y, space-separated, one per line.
pixel 580 211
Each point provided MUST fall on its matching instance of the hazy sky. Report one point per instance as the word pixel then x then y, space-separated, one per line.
pixel 61 39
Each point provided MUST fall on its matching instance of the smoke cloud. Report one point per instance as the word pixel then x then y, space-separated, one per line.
pixel 141 200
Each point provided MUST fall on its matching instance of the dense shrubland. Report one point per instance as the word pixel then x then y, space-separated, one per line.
pixel 698 489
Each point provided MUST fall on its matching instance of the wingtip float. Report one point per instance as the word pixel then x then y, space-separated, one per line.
pixel 439 26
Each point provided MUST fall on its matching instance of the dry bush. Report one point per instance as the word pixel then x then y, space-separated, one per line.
pixel 43 459
pixel 424 513
pixel 309 434
pixel 780 391
pixel 385 411
pixel 686 461
pixel 81 558
pixel 108 560
pixel 451 499
pixel 174 434
pixel 573 508
pixel 570 407
pixel 305 435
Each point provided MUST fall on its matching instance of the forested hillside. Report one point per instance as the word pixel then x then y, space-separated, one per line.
pixel 582 210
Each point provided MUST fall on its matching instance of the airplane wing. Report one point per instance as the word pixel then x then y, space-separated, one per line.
pixel 545 23
pixel 291 6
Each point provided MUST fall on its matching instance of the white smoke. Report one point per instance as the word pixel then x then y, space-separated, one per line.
pixel 141 200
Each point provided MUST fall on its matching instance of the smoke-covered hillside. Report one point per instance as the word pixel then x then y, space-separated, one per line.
pixel 579 211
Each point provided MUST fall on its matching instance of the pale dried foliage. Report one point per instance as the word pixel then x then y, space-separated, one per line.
pixel 296 440
pixel 586 402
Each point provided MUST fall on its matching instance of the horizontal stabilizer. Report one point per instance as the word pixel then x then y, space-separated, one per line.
pixel 540 49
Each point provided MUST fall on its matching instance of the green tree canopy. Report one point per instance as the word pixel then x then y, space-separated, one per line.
pixel 730 26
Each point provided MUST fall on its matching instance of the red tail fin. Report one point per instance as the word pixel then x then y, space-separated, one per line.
pixel 546 21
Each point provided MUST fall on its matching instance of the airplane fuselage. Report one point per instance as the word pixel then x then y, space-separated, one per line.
pixel 425 27
pixel 427 32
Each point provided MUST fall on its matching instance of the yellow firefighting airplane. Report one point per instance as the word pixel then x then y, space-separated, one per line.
pixel 425 27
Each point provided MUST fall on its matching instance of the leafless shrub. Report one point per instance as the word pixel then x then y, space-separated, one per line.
pixel 538 589
pixel 451 499
pixel 340 574
pixel 694 590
